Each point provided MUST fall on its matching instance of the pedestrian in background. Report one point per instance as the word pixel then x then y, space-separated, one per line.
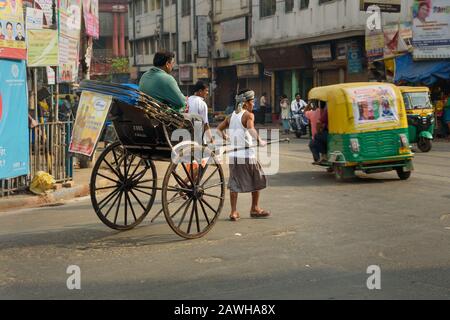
pixel 285 113
pixel 263 108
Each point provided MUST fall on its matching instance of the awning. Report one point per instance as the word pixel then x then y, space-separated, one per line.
pixel 420 72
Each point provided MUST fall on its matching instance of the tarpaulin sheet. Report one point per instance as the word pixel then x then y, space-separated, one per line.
pixel 423 72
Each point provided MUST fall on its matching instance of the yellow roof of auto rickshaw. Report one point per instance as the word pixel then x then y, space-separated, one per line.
pixel 405 89
pixel 327 92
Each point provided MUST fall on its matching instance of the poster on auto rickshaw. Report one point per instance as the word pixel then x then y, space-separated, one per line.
pixel 373 105
pixel 91 116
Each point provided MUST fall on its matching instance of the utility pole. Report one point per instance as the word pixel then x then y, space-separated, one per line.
pixel 161 24
pixel 211 56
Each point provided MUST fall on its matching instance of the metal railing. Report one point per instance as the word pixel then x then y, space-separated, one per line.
pixel 49 143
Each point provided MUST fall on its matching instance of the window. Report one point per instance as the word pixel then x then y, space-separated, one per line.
pixel 185 8
pixel 267 8
pixel 324 1
pixel 289 5
pixel 218 6
pixel 304 4
pixel 187 51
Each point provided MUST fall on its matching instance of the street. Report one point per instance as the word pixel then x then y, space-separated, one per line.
pixel 318 244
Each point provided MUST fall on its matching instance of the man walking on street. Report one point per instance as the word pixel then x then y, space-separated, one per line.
pixel 246 174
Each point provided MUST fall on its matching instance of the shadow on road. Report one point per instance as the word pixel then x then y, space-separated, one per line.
pixel 315 178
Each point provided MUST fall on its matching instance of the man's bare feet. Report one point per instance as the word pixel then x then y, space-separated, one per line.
pixel 235 216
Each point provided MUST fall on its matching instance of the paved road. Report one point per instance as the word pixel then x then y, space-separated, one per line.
pixel 318 245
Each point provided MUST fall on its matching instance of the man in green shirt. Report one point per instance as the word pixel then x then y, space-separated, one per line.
pixel 160 85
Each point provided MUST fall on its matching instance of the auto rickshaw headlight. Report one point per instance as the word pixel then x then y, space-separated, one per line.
pixel 354 144
pixel 404 140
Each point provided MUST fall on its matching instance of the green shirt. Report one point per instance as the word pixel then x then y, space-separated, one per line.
pixel 163 87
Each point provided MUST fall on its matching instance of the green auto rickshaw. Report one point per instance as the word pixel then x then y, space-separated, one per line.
pixel 420 114
pixel 367 129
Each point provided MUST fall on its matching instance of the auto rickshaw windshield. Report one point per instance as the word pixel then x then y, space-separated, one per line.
pixel 417 100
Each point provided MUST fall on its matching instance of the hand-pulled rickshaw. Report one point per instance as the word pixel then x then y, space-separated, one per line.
pixel 367 129
pixel 125 182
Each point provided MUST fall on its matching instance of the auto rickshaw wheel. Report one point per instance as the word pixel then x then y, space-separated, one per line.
pixel 424 145
pixel 402 174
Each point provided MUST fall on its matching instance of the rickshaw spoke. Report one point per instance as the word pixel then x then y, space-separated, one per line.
pixel 119 175
pixel 202 173
pixel 180 208
pixel 131 206
pixel 137 189
pixel 213 196
pixel 145 181
pixel 130 164
pixel 204 213
pixel 137 167
pixel 188 175
pixel 112 206
pixel 184 213
pixel 179 180
pixel 212 174
pixel 209 206
pixel 105 188
pixel 118 207
pixel 117 161
pixel 196 216
pixel 213 186
pixel 190 219
pixel 107 178
pixel 126 209
pixel 137 199
pixel 102 203
pixel 138 176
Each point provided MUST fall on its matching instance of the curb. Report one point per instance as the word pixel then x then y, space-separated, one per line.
pixel 51 198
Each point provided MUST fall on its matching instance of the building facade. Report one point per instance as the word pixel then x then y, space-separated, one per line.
pixel 310 43
pixel 113 40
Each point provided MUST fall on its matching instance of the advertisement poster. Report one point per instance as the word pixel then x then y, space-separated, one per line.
pixel 91 116
pixel 14 138
pixel 12 31
pixel 431 29
pixel 374 44
pixel 354 61
pixel 90 13
pixel 374 104
pixel 69 39
pixel 42 48
pixel 46 7
pixel 34 19
pixel 397 39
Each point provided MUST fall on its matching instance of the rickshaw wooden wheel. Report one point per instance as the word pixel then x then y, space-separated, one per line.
pixel 193 192
pixel 402 174
pixel 424 145
pixel 123 188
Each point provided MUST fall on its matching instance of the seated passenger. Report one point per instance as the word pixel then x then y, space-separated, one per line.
pixel 160 85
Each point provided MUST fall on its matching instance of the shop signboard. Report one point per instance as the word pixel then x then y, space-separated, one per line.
pixel 12 30
pixel 202 73
pixel 321 52
pixel 91 116
pixel 248 70
pixel 42 47
pixel 431 29
pixel 186 73
pixel 384 5
pixel 202 37
pixel 14 136
pixel 234 30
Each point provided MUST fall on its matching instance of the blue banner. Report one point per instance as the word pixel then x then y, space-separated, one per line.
pixel 14 137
